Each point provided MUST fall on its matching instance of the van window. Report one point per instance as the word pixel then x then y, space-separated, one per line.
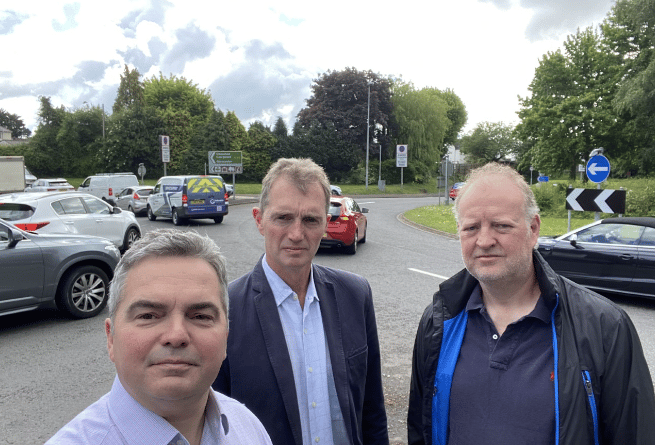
pixel 86 182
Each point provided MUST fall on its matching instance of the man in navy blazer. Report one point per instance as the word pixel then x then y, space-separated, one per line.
pixel 303 352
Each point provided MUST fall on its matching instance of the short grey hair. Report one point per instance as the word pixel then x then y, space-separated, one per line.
pixel 168 243
pixel 302 172
pixel 493 168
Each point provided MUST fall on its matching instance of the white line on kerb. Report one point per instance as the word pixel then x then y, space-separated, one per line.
pixel 428 273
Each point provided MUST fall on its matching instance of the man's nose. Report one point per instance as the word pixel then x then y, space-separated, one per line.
pixel 296 230
pixel 486 237
pixel 176 332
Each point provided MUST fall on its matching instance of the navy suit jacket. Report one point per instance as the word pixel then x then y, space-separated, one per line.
pixel 257 371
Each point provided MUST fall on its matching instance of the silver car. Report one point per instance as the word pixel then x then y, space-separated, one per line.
pixel 71 213
pixel 134 199
pixel 38 270
pixel 50 185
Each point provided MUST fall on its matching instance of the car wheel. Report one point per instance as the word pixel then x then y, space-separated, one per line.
pixel 83 292
pixel 151 216
pixel 363 240
pixel 130 238
pixel 352 249
pixel 218 219
pixel 176 218
pixel 130 209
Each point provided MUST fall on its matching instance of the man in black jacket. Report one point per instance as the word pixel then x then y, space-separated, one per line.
pixel 511 352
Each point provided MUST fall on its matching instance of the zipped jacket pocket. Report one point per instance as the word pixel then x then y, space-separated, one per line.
pixel 586 379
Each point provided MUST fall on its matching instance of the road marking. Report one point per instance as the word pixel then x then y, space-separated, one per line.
pixel 428 273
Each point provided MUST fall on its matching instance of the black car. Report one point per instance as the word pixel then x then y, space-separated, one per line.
pixel 614 255
pixel 40 270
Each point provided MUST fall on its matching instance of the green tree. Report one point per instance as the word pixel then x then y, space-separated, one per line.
pixel 132 138
pixel 130 91
pixel 490 141
pixel 44 154
pixel 80 139
pixel 178 95
pixel 237 135
pixel 183 108
pixel 257 151
pixel 569 112
pixel 422 121
pixel 322 143
pixel 211 136
pixel 341 99
pixel 629 33
pixel 282 148
pixel 14 123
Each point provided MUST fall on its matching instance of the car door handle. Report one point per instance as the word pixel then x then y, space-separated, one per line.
pixel 626 256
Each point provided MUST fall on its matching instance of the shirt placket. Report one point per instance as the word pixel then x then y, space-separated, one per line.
pixel 314 352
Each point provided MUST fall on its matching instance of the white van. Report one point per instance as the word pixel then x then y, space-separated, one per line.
pixel 107 186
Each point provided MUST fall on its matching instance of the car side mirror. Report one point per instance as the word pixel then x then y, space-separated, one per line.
pixel 364 210
pixel 117 210
pixel 574 240
pixel 14 237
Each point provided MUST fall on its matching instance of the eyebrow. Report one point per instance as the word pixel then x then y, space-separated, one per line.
pixel 148 304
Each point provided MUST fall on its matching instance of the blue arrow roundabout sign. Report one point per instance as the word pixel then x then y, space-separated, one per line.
pixel 598 169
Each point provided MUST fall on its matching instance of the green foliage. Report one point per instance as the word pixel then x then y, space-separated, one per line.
pixel 341 98
pixel 490 141
pixel 44 150
pixel 132 137
pixel 14 123
pixel 177 95
pixel 422 122
pixel 257 152
pixel 323 144
pixel 130 91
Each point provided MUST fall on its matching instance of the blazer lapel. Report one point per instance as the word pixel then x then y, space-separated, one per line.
pixel 332 327
pixel 276 346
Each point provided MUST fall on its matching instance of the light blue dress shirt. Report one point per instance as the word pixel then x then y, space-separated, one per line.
pixel 305 338
pixel 117 418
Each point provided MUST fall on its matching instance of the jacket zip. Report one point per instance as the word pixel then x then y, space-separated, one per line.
pixel 555 371
pixel 586 378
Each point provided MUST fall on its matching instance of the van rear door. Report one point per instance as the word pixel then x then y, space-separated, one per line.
pixel 205 196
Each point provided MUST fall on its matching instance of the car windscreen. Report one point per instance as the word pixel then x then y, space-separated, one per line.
pixel 13 211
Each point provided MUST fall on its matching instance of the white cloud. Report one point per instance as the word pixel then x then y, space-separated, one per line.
pixel 259 57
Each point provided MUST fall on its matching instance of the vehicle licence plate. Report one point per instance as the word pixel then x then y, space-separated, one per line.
pixel 197 201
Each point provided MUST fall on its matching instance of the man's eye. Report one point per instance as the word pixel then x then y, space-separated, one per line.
pixel 202 317
pixel 146 316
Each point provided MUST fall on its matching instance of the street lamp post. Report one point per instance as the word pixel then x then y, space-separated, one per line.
pixel 368 116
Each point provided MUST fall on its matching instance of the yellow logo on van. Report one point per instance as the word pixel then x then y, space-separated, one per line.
pixel 204 185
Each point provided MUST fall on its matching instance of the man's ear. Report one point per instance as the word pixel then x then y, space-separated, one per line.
pixel 110 339
pixel 257 214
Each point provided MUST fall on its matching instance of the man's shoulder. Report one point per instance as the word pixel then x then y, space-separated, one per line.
pixel 324 273
pixel 240 421
pixel 93 425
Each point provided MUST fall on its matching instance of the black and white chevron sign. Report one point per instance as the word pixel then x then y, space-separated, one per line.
pixel 593 200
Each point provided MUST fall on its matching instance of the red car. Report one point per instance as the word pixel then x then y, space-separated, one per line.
pixel 347 225
pixel 455 189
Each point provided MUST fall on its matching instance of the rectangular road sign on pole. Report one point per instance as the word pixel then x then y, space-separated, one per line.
pixel 594 200
pixel 225 162
pixel 401 155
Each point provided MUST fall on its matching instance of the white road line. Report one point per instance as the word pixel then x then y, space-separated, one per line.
pixel 428 273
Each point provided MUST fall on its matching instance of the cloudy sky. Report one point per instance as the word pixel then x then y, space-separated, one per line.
pixel 258 57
